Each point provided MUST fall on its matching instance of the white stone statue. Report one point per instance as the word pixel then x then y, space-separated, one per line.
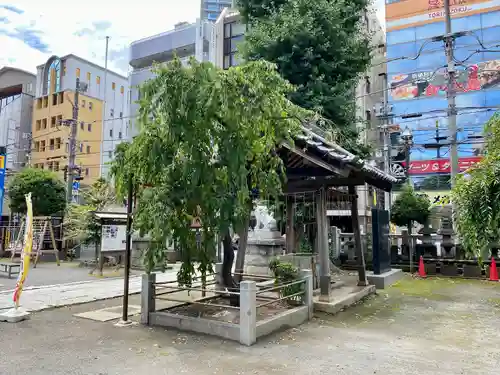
pixel 264 221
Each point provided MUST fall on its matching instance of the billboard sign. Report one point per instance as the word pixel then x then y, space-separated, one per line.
pixel 418 167
pixel 484 75
pixel 400 14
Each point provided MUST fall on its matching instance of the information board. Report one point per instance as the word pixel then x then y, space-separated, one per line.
pixel 113 238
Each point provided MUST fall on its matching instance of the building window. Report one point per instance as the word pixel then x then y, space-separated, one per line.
pixel 42 146
pixel 82 125
pixel 88 77
pixel 110 154
pixel 98 80
pixel 89 127
pixel 368 85
pixel 64 69
pixel 121 114
pixel 44 123
pixel 91 105
pixel 54 99
pixel 113 85
pixel 39 103
pixel 368 116
pixel 81 147
pixel 112 112
pixel 59 120
pixel 122 90
pixel 78 72
pixel 119 135
pixel 83 103
pixel 61 98
pixel 233 35
pixel 86 172
pixel 56 166
pixel 58 143
pixel 38 125
pixel 88 149
pixel 51 144
pixel 111 133
pixel 53 121
pixel 37 146
pixel 49 165
pixel 45 101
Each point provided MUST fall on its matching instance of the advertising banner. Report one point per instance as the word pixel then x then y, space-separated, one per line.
pixel 418 167
pixel 400 14
pixel 479 76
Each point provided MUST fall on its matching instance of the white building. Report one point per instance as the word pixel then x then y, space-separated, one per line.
pixel 186 40
pixel 17 89
pixel 108 86
pixel 211 9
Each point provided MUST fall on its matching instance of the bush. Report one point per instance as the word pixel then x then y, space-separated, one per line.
pixel 48 192
pixel 285 273
pixel 409 207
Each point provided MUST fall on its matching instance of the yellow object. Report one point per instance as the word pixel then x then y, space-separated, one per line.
pixel 26 255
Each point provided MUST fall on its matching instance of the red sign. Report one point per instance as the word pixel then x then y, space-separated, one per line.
pixel 441 165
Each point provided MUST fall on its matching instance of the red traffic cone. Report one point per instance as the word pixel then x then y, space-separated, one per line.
pixel 493 270
pixel 421 267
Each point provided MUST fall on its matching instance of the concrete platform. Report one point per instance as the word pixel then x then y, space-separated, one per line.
pixel 342 298
pixel 110 313
pixel 14 315
pixel 385 279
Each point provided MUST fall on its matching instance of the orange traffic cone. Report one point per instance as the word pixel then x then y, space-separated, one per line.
pixel 421 267
pixel 493 270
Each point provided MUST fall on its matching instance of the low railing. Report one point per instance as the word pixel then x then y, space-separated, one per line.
pixel 252 296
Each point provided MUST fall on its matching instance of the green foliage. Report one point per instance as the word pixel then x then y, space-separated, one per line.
pixel 48 192
pixel 319 47
pixel 476 198
pixel 207 137
pixel 285 273
pixel 79 222
pixel 409 207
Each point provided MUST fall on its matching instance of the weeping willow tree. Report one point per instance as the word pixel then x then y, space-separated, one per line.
pixel 207 140
pixel 476 197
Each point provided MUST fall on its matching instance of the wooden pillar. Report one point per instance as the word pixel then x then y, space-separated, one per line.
pixel 322 241
pixel 290 226
pixel 358 248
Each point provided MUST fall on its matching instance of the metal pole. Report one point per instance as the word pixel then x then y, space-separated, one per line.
pixel 452 111
pixel 72 144
pixel 387 154
pixel 128 243
pixel 104 108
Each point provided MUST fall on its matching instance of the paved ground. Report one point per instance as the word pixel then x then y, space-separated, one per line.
pixel 418 327
pixel 50 274
pixel 45 291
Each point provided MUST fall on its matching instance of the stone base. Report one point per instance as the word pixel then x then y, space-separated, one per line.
pixel 14 315
pixel 342 298
pixel 385 279
pixel 125 323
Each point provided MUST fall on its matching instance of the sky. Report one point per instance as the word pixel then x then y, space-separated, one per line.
pixel 31 30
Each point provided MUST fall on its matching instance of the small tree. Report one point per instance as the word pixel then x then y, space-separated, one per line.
pixel 208 139
pixel 410 207
pixel 476 199
pixel 48 192
pixel 80 224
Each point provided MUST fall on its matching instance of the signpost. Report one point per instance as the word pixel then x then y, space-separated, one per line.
pixel 75 191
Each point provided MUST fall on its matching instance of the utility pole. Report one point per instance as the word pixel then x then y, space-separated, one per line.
pixel 452 110
pixel 72 143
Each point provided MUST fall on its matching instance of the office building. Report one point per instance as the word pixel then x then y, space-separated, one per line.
pixel 102 124
pixel 186 40
pixel 417 80
pixel 211 9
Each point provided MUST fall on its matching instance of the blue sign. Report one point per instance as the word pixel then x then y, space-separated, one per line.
pixel 76 185
pixel 2 181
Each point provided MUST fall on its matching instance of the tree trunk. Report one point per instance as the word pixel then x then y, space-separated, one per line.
pixel 242 246
pixel 227 265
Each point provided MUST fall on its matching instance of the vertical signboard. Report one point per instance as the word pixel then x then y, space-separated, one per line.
pixel 2 180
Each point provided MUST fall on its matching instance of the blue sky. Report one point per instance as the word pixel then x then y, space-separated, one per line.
pixel 31 31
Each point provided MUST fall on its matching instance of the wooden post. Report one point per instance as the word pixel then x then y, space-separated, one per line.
pixel 290 226
pixel 322 241
pixel 358 248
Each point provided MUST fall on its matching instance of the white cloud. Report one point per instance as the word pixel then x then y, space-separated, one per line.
pixel 58 28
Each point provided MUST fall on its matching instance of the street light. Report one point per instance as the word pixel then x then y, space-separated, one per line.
pixel 407 138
